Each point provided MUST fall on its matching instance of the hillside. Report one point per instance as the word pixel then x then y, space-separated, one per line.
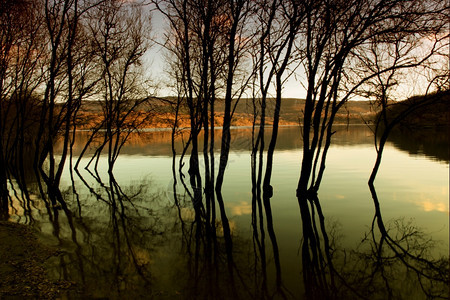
pixel 161 115
pixel 427 129
pixel 433 111
pixel 354 112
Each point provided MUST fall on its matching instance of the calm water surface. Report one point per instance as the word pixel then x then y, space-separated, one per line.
pixel 127 238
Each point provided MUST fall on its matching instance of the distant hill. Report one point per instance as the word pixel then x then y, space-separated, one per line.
pixel 354 112
pixel 434 111
pixel 427 129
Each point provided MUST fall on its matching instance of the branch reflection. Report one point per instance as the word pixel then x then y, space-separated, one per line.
pixel 113 240
pixel 393 261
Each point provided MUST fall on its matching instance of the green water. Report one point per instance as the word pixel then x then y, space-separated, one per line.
pixel 142 245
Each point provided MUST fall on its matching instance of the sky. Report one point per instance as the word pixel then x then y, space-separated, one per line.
pixel 412 83
pixel 154 61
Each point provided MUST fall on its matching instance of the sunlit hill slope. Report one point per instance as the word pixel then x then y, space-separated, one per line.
pixel 160 114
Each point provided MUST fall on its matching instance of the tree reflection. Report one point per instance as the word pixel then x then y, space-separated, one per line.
pixel 261 209
pixel 112 242
pixel 136 245
pixel 319 275
pixel 207 242
pixel 393 261
pixel 400 262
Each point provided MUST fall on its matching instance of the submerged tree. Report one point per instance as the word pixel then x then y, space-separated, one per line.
pixel 334 36
pixel 207 46
pixel 52 59
pixel 21 59
pixel 120 36
pixel 278 25
pixel 356 44
pixel 325 39
pixel 68 78
pixel 432 274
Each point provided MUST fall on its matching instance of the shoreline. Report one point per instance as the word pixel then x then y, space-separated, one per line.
pixel 23 273
pixel 234 127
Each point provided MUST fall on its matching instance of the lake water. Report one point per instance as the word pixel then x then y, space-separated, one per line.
pixel 126 238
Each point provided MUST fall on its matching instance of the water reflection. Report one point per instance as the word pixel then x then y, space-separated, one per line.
pixel 393 261
pixel 141 239
pixel 206 240
pixel 138 144
pixel 431 142
pixel 107 249
pixel 127 244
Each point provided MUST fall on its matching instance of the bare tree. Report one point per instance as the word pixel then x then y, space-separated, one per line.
pixel 120 37
pixel 278 26
pixel 333 35
pixel 21 59
pixel 207 43
pixel 388 59
pixel 67 79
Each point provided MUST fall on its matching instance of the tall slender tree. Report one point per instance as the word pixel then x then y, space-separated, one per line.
pixel 121 35
pixel 21 60
pixel 207 43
